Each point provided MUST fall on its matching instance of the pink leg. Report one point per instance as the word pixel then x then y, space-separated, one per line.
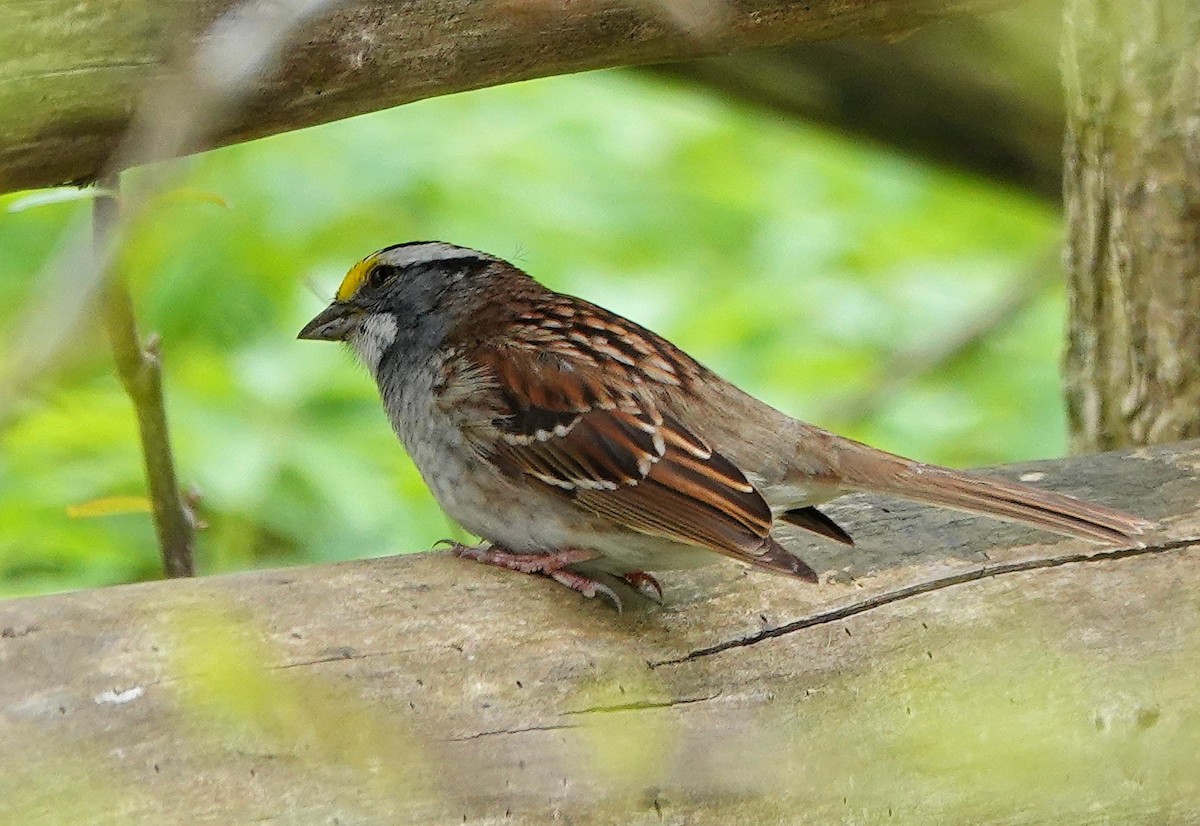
pixel 553 565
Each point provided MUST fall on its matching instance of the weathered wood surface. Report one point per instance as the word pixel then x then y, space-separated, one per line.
pixel 426 689
pixel 71 74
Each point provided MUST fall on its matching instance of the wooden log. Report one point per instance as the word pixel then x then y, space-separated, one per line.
pixel 948 670
pixel 71 74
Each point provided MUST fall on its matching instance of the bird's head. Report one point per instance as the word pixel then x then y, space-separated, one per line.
pixel 411 293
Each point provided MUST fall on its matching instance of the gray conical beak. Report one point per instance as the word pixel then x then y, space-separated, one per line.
pixel 333 323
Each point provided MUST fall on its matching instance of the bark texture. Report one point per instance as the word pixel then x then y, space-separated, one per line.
pixel 71 74
pixel 949 670
pixel 1132 181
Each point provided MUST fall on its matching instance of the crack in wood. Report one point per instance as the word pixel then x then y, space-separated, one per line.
pixel 643 705
pixel 343 654
pixel 929 586
pixel 338 656
pixel 464 738
pixel 36 75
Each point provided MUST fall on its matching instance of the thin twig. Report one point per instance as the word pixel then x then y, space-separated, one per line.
pixel 140 371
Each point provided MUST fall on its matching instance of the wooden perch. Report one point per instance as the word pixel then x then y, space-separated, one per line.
pixel 72 74
pixel 949 670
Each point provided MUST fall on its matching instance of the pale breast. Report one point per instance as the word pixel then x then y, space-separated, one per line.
pixel 435 424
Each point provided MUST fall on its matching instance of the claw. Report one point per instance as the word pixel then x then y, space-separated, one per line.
pixel 586 585
pixel 646 584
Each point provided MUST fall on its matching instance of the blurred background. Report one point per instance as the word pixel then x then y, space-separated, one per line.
pixel 847 283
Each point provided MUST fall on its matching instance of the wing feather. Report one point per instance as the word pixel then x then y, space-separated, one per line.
pixel 590 432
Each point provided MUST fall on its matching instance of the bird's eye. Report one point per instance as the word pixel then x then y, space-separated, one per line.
pixel 379 274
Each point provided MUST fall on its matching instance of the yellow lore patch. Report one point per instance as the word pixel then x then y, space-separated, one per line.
pixel 355 278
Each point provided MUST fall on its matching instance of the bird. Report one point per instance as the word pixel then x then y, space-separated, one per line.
pixel 581 446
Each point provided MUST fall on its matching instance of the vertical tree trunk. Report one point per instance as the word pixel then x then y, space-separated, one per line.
pixel 1132 190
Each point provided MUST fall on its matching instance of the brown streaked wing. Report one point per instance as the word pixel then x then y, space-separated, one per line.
pixel 588 432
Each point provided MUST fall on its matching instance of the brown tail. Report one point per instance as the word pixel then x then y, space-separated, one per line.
pixel 864 468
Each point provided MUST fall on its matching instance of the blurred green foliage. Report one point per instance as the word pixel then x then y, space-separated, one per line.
pixel 791 261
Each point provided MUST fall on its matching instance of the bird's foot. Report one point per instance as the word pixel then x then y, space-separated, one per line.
pixel 585 585
pixel 646 585
pixel 553 564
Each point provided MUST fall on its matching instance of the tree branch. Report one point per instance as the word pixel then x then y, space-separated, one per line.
pixel 139 368
pixel 74 97
pixel 946 667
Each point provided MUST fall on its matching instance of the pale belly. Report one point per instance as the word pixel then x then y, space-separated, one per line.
pixel 471 490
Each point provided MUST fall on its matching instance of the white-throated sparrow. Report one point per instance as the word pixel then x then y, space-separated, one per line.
pixel 578 443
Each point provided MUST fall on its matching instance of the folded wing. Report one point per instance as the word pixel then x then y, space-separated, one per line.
pixel 589 433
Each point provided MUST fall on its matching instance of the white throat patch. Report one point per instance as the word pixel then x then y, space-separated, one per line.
pixel 374 336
